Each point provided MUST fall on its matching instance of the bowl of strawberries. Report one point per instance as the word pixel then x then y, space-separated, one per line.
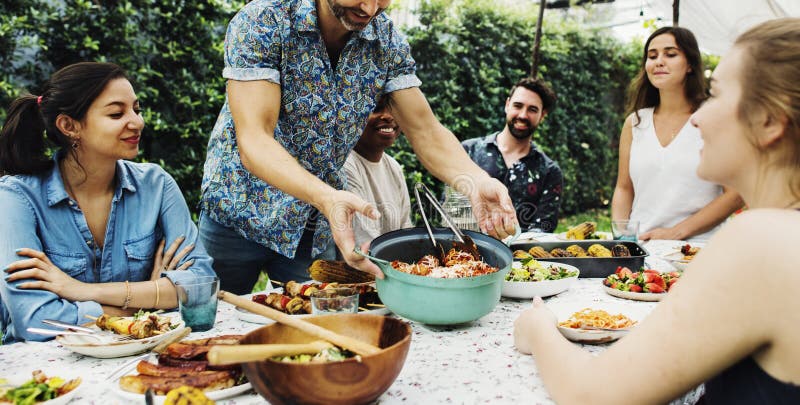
pixel 642 285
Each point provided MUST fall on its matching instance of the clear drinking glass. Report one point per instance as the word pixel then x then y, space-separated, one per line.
pixel 459 208
pixel 625 230
pixel 334 301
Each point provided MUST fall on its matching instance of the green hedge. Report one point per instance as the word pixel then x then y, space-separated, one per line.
pixel 172 51
pixel 468 55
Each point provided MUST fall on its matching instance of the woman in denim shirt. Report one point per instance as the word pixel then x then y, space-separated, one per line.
pixel 80 230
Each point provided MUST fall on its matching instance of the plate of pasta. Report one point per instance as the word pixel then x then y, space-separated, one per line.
pixel 597 324
pixel 146 329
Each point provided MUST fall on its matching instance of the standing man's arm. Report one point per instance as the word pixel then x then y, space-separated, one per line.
pixel 255 106
pixel 441 153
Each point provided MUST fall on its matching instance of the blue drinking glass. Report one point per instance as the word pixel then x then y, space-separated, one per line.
pixel 197 301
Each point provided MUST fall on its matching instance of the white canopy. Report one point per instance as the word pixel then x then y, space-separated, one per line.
pixel 717 23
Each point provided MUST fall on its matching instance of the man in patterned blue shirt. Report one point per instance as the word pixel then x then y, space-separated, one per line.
pixel 303 76
pixel 534 180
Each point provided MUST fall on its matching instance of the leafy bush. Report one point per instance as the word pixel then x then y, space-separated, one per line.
pixel 470 53
pixel 172 51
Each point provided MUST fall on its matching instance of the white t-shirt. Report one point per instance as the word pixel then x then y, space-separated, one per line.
pixel 382 184
pixel 665 183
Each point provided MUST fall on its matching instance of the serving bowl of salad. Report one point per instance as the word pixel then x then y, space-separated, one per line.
pixel 530 278
pixel 330 378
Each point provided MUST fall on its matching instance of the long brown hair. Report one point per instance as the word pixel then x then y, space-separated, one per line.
pixel 770 78
pixel 70 91
pixel 642 93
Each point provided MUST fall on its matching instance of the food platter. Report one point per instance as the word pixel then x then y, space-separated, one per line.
pixel 544 288
pixel 250 317
pixel 636 296
pixel 110 347
pixel 588 336
pixel 159 399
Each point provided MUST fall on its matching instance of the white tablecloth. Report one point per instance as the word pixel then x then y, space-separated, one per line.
pixel 474 363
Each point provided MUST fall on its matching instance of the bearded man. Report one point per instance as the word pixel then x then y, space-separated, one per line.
pixel 303 76
pixel 534 181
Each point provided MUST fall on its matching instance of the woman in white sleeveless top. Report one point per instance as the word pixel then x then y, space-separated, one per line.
pixel 659 149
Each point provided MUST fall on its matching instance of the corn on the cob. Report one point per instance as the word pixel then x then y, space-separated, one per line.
pixel 557 252
pixel 539 252
pixel 521 254
pixel 187 396
pixel 581 231
pixel 598 250
pixel 326 271
pixel 577 251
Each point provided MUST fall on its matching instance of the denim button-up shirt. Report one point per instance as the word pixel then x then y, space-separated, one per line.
pixel 323 112
pixel 534 182
pixel 39 214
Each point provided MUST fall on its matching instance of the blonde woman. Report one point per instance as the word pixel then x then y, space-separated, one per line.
pixel 732 319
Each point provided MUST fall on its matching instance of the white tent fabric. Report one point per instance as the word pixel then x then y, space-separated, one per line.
pixel 717 23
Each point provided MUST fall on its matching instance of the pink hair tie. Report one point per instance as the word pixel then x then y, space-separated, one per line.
pixel 39 100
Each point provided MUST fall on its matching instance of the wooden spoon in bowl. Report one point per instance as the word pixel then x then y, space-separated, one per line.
pixel 347 342
pixel 231 354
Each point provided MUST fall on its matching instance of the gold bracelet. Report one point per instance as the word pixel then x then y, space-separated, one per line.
pixel 127 295
pixel 158 293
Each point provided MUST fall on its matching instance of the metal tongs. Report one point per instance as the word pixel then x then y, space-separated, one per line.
pixel 462 242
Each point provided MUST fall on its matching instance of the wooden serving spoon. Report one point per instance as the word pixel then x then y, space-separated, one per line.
pixel 347 342
pixel 231 354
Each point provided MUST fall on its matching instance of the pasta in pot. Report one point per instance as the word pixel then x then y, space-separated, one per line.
pixel 458 264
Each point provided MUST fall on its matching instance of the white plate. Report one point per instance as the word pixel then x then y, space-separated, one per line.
pixel 636 296
pixel 217 395
pixel 111 348
pixel 17 380
pixel 248 316
pixel 676 259
pixel 546 288
pixel 600 234
pixel 563 312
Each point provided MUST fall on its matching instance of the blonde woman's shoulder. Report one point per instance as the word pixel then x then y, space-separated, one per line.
pixel 770 234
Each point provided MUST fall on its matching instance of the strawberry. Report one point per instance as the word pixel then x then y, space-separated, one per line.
pixel 625 273
pixel 650 271
pixel 671 283
pixel 635 275
pixel 618 270
pixel 636 288
pixel 674 274
pixel 653 288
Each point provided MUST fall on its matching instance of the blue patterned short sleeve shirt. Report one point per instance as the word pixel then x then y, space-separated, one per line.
pixel 323 112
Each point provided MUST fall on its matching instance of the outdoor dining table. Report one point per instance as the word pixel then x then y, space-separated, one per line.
pixel 470 363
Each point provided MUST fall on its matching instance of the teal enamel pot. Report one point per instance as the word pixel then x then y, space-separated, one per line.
pixel 437 301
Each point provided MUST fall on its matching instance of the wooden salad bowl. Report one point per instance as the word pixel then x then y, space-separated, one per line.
pixel 345 382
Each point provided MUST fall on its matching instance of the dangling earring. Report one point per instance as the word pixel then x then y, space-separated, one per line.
pixel 75 143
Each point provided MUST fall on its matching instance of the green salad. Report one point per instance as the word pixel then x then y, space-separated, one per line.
pixel 326 356
pixel 528 269
pixel 39 389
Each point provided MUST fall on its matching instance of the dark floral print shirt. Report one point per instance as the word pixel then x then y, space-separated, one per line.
pixel 534 182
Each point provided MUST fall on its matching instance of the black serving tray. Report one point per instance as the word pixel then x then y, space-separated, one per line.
pixel 592 267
